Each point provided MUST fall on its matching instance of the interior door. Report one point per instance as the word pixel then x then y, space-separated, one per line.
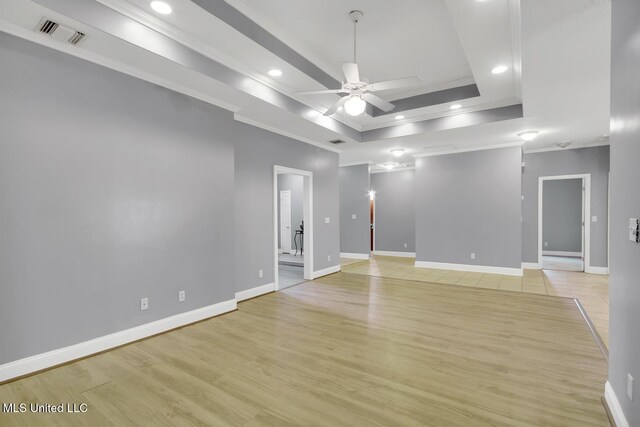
pixel 285 221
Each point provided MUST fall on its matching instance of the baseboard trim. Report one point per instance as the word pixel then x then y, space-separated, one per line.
pixel 563 253
pixel 597 270
pixel 255 292
pixel 472 268
pixel 531 266
pixel 39 362
pixel 397 254
pixel 353 255
pixel 325 272
pixel 614 406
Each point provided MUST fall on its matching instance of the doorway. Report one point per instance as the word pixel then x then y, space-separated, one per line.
pixel 372 209
pixel 563 226
pixel 293 226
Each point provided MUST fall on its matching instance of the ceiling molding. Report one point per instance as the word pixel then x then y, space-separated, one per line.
pixel 87 55
pixel 344 165
pixel 407 168
pixel 430 98
pixel 468 150
pixel 516 44
pixel 571 147
pixel 273 129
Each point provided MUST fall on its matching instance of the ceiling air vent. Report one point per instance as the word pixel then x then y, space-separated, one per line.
pixel 60 32
pixel 337 141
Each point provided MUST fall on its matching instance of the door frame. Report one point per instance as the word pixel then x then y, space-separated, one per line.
pixel 307 215
pixel 586 208
pixel 290 225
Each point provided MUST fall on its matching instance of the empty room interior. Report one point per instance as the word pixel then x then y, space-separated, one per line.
pixel 331 213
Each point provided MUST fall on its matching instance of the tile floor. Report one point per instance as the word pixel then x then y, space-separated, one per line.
pixel 591 290
pixel 289 275
pixel 562 263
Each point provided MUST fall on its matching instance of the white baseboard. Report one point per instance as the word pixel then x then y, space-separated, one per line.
pixel 597 270
pixel 52 358
pixel 255 292
pixel 531 266
pixel 614 406
pixel 325 272
pixel 353 256
pixel 563 253
pixel 472 268
pixel 398 254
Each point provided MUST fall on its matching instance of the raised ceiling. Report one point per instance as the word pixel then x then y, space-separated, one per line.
pixel 558 62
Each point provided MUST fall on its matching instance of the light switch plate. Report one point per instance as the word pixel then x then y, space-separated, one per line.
pixel 594 219
pixel 260 274
pixel 353 216
pixel 327 220
pixel 182 295
pixel 473 255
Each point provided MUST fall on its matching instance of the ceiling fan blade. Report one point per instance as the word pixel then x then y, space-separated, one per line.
pixel 395 84
pixel 350 71
pixel 378 102
pixel 335 106
pixel 319 92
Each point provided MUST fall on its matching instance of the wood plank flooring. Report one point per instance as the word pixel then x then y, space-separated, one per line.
pixel 591 289
pixel 344 350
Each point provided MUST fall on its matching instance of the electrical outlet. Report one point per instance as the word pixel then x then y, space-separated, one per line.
pixel 260 274
pixel 327 220
pixel 144 303
pixel 546 244
pixel 473 255
pixel 405 245
pixel 630 386
pixel 353 216
pixel 329 258
pixel 182 296
pixel 594 219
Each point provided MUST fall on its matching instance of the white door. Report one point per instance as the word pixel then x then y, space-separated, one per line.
pixel 285 221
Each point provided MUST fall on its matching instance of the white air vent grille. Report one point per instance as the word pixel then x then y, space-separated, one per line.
pixel 60 32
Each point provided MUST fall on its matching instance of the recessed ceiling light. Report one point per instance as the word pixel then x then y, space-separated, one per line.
pixel 499 69
pixel 399 117
pixel 529 135
pixel 455 107
pixel 389 166
pixel 274 72
pixel 161 7
pixel 397 151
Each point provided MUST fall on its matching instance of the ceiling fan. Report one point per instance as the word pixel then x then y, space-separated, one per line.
pixel 358 92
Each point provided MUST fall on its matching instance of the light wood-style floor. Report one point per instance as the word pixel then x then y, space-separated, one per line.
pixel 345 350
pixel 591 289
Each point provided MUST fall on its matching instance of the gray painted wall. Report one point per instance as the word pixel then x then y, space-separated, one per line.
pixel 394 211
pixel 469 202
pixel 624 292
pixel 111 189
pixel 562 215
pixel 295 184
pixel 256 153
pixel 354 200
pixel 593 160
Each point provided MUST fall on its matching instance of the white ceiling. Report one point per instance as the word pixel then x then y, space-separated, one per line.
pixel 564 52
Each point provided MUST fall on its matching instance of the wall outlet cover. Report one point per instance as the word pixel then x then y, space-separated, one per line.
pixel 473 255
pixel 260 274
pixel 327 220
pixel 144 303
pixel 182 295
pixel 353 216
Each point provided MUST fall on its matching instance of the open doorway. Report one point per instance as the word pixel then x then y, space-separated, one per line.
pixel 292 226
pixel 563 232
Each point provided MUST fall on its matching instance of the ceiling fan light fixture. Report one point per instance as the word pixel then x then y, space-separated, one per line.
pixel 355 106
pixel 161 7
pixel 397 151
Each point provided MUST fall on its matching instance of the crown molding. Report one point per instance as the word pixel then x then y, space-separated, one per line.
pixel 468 150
